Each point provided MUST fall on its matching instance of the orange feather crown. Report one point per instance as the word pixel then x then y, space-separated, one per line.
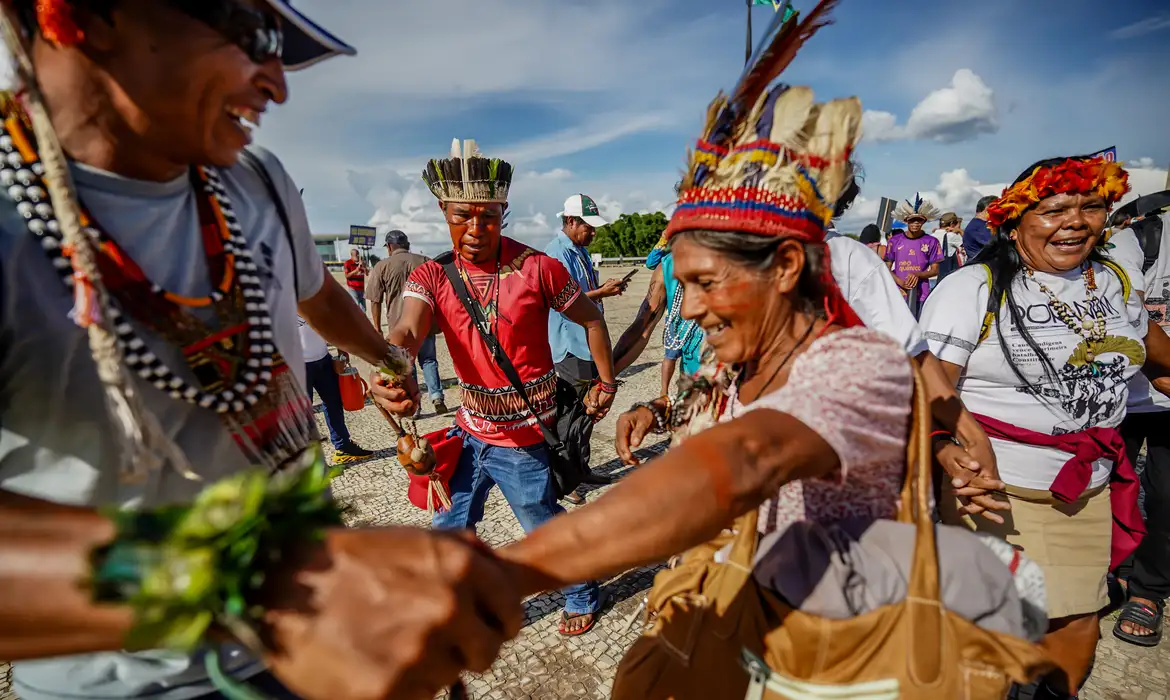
pixel 1073 176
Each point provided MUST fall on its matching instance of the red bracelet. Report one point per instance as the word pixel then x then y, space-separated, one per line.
pixel 940 432
pixel 605 387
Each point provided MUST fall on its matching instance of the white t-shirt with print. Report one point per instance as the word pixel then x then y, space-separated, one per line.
pixel 868 286
pixel 1143 398
pixel 1076 401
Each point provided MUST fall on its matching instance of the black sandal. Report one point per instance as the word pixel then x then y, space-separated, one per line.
pixel 1140 614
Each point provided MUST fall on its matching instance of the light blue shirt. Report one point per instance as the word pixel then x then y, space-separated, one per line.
pixel 565 337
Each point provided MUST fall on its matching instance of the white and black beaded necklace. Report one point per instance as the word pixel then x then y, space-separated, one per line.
pixel 239 398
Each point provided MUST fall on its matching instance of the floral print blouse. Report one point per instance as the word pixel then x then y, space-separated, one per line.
pixel 853 388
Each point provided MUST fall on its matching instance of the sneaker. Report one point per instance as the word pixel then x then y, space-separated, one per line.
pixel 351 454
pixel 440 407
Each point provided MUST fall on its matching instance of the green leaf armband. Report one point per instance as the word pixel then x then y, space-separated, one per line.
pixel 187 569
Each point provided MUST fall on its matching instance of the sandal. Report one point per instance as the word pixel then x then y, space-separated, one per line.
pixel 1140 614
pixel 565 617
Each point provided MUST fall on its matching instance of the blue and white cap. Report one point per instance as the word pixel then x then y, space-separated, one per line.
pixel 305 41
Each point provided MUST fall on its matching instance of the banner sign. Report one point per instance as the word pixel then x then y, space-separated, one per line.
pixel 1109 154
pixel 885 219
pixel 363 236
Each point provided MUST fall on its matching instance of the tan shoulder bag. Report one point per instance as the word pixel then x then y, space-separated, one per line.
pixel 715 634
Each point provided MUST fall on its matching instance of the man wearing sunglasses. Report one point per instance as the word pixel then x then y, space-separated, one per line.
pixel 147 97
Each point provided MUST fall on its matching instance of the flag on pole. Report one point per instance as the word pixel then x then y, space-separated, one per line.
pixel 776 5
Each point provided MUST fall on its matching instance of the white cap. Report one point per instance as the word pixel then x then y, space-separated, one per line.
pixel 583 207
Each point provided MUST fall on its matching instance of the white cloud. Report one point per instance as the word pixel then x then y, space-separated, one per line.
pixel 1140 163
pixel 1143 26
pixel 959 112
pixel 955 191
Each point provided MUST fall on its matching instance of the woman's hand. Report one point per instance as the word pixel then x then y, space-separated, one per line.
pixel 388 613
pixel 632 427
pixel 972 481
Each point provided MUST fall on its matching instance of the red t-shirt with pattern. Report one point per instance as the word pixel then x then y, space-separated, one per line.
pixel 530 284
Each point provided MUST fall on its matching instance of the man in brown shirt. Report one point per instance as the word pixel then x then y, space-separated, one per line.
pixel 384 288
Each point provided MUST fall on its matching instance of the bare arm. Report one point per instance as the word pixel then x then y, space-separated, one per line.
pixel 413 325
pixel 929 272
pixel 376 315
pixel 341 322
pixel 43 558
pixel 633 342
pixel 676 502
pixel 1157 367
pixel 585 313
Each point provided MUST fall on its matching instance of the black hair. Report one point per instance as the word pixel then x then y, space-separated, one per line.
pixel 849 195
pixel 566 220
pixel 755 252
pixel 984 202
pixel 1002 257
pixel 870 234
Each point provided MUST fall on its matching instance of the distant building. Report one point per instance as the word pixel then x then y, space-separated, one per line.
pixel 332 247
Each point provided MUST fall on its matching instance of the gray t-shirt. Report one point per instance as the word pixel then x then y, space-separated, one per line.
pixel 55 434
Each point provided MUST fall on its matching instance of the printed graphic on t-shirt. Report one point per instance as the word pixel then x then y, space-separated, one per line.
pixel 1091 380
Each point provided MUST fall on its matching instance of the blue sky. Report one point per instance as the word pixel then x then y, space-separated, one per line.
pixel 603 97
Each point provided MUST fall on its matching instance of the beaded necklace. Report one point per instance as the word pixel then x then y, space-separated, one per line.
pixel 1091 325
pixel 240 374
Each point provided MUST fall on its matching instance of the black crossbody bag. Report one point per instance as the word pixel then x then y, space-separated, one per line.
pixel 568 447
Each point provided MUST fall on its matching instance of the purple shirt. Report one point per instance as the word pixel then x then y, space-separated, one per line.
pixel 911 256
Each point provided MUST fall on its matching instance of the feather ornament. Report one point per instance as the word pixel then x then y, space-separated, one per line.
pixel 468 176
pixel 920 208
pixel 779 53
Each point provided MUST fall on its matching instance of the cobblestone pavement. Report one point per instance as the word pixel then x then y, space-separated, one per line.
pixel 542 665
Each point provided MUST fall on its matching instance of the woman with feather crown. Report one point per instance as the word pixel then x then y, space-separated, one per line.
pixel 913 256
pixel 777 429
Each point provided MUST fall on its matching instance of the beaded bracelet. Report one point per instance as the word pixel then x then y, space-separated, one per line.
pixel 187 569
pixel 661 417
pixel 606 387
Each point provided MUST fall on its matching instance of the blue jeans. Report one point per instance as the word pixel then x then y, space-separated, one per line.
pixel 322 378
pixel 525 479
pixel 357 295
pixel 428 358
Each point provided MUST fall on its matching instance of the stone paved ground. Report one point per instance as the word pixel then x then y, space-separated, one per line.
pixel 541 665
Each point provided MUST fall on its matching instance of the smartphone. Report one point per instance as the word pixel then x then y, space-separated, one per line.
pixel 629 276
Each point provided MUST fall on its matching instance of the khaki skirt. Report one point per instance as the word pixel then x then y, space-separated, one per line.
pixel 1070 541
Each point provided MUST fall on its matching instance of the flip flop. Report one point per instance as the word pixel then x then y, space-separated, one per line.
pixel 565 617
pixel 1147 616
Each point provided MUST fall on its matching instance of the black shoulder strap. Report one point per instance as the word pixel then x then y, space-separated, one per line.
pixel 257 166
pixel 447 261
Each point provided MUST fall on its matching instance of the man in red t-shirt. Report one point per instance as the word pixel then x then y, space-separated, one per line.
pixel 516 287
pixel 355 277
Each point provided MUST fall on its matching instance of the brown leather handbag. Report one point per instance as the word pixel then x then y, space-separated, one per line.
pixel 714 633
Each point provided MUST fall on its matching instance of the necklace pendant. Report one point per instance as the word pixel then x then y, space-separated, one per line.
pixel 1088 322
pixel 1090 356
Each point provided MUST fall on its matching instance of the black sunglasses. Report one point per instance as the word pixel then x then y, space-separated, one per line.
pixel 256 32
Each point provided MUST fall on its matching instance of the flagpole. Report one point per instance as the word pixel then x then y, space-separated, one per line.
pixel 748 50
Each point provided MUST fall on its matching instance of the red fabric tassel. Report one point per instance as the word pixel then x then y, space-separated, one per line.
pixel 55 18
pixel 85 306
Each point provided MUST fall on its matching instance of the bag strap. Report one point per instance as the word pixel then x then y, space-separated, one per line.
pixel 447 262
pixel 253 161
pixel 992 306
pixel 1126 282
pixel 923 602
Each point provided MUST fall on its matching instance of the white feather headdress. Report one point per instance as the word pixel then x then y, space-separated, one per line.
pixel 919 208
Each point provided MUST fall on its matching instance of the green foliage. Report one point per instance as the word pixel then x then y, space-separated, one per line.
pixel 631 236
